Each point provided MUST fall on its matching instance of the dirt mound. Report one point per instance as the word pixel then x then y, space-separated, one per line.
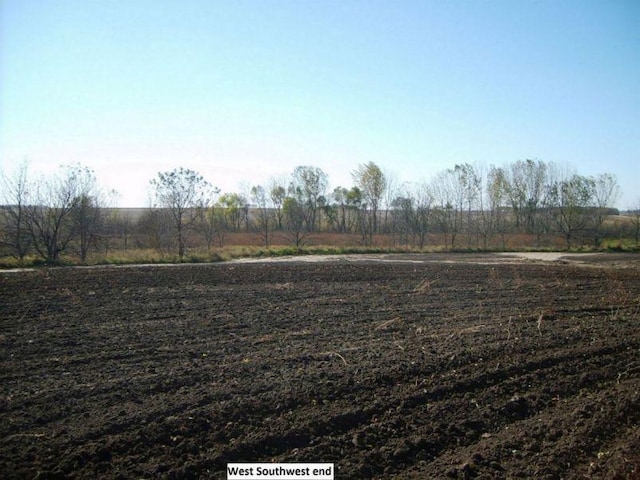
pixel 389 370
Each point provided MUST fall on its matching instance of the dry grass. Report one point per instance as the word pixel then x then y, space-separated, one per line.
pixel 242 245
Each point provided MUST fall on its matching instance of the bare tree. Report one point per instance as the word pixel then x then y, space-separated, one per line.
pixel 121 225
pixel 605 194
pixel 424 203
pixel 13 213
pixel 265 218
pixel 89 212
pixel 115 226
pixel 390 193
pixel 296 221
pixel 207 225
pixel 635 220
pixel 449 199
pixel 50 214
pixel 155 226
pixel 412 214
pixel 402 213
pixel 184 193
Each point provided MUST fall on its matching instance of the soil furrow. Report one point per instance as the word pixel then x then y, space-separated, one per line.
pixel 425 368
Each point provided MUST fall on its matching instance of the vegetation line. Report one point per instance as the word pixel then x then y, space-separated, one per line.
pixel 67 219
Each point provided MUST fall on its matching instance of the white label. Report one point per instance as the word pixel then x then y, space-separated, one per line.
pixel 280 471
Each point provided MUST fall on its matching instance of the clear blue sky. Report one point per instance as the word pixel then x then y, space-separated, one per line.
pixel 247 90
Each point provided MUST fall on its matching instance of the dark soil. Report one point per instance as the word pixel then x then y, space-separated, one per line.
pixel 429 367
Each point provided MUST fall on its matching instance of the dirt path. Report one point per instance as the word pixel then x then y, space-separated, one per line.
pixel 405 368
pixel 617 260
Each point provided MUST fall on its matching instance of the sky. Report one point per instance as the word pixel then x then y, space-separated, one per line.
pixel 244 91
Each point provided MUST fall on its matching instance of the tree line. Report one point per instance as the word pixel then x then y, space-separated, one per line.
pixel 467 206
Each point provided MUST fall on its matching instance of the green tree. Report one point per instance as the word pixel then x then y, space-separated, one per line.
pixel 572 199
pixel 494 218
pixel 308 187
pixel 346 208
pixel 235 209
pixel 527 181
pixel 277 194
pixel 470 184
pixel 372 183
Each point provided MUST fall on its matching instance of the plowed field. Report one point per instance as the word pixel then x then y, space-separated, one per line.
pixel 426 366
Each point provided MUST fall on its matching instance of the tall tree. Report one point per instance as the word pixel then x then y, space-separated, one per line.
pixel 346 207
pixel 572 198
pixel 119 224
pixel 605 194
pixel 634 212
pixel 89 213
pixel 494 218
pixel 527 181
pixel 308 187
pixel 449 190
pixel 412 214
pixel 402 214
pixel 295 215
pixel 156 230
pixel 277 195
pixel 13 213
pixel 372 182
pixel 184 193
pixel 235 209
pixel 208 223
pixel 51 212
pixel 265 218
pixel 470 186
pixel 390 193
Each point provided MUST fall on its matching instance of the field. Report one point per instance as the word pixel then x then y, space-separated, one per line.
pixel 397 366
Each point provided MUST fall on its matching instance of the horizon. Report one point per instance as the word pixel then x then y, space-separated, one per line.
pixel 245 91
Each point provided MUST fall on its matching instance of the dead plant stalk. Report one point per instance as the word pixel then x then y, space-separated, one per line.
pixel 339 356
pixel 540 324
